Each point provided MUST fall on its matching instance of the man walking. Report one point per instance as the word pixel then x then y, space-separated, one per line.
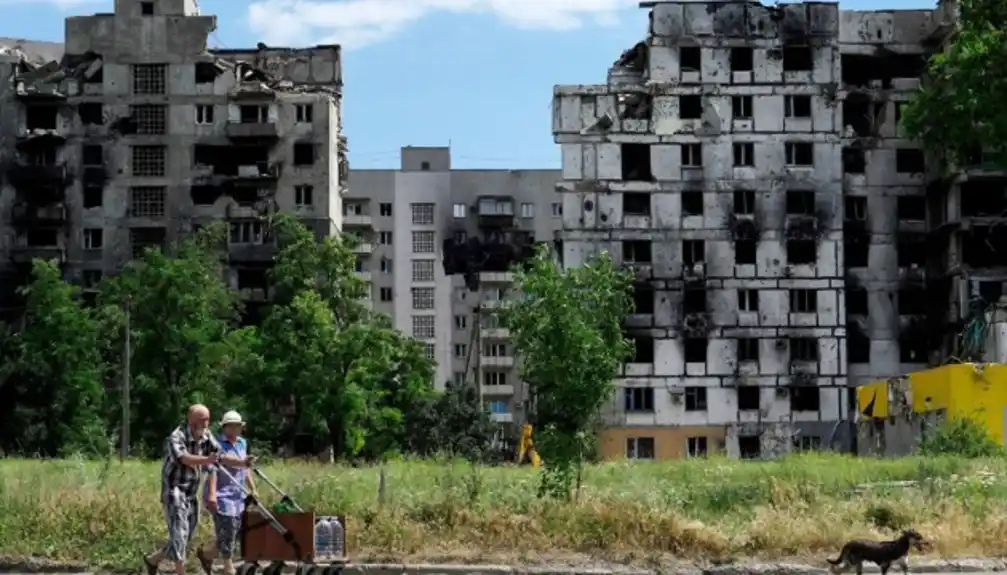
pixel 225 496
pixel 188 450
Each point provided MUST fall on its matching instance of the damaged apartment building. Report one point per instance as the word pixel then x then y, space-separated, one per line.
pixel 137 134
pixel 745 161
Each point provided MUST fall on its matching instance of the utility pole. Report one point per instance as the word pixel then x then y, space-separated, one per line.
pixel 127 352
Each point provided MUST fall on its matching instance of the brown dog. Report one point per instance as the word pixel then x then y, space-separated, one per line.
pixel 882 553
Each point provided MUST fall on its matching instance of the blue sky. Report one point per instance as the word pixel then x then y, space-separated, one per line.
pixel 477 74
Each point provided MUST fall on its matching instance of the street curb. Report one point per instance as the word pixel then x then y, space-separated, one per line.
pixel 962 565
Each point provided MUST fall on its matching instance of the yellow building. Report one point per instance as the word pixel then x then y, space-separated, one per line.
pixel 893 414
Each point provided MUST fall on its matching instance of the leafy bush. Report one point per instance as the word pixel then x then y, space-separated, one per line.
pixel 960 436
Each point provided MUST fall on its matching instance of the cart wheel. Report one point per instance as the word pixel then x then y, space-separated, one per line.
pixel 305 569
pixel 333 569
pixel 248 568
pixel 274 568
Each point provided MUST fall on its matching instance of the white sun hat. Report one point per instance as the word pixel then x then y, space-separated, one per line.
pixel 231 417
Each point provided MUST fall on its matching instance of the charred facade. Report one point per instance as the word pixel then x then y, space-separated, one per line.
pixel 136 133
pixel 746 162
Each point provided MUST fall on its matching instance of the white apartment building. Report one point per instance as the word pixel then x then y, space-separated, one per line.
pixel 437 245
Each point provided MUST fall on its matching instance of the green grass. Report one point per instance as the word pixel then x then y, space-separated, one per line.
pixel 106 513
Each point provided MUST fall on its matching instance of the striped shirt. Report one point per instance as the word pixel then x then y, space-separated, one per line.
pixel 176 476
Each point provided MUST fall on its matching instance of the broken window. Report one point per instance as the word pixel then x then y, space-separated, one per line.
pixel 854 161
pixel 305 114
pixel 204 195
pixel 147 201
pixel 639 448
pixel 983 198
pixel 856 301
pixel 797 106
pixel 636 163
pixel 690 107
pixel 744 252
pixel 858 348
pixel 856 253
pixel 40 117
pixel 141 239
pixel 638 398
pixel 150 79
pixel 749 447
pixel 803 349
pixel 741 60
pixel 805 398
pixel 749 398
pixel 695 397
pixel 912 301
pixel 93 238
pixel 693 251
pixel 692 155
pixel 146 8
pixel 748 300
pixel 696 446
pixel 912 350
pixel 744 154
pixel 424 166
pixel 91 155
pixel 93 196
pixel 204 114
pixel 694 301
pixel 856 208
pixel 149 119
pixel 798 59
pixel 643 349
pixel 800 203
pixel 253 114
pixel 741 107
pixel 206 72
pixel 984 247
pixel 744 202
pixel 247 232
pixel 636 252
pixel 42 237
pixel 900 109
pixel 884 65
pixel 304 154
pixel 913 208
pixel 910 161
pixel 635 204
pixel 748 349
pixel 692 203
pixel 690 58
pixel 91 113
pixel 803 301
pixel 643 298
pixel 385 209
pixel 800 153
pixel 253 278
pixel 911 249
pixel 801 252
pixel 149 161
pixel 304 195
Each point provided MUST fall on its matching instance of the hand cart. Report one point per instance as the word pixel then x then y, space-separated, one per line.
pixel 281 537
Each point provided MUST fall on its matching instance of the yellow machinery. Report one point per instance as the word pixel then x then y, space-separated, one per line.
pixel 526 448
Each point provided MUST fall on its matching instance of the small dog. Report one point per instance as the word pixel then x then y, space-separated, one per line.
pixel 882 553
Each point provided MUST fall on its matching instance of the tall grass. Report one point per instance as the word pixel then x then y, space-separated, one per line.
pixel 105 514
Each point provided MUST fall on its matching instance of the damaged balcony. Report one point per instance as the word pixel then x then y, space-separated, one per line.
pixel 38 176
pixel 25 213
pixel 250 241
pixel 495 211
pixel 252 84
pixel 39 243
pixel 254 122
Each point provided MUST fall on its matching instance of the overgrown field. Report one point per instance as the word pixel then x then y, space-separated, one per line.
pixel 634 512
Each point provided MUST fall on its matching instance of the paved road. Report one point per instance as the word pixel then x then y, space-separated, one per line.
pixel 895 572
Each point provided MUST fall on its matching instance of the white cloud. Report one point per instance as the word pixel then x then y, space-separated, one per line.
pixel 355 23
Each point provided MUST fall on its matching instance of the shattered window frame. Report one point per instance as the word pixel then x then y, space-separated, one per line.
pixel 792 149
pixel 744 154
pixel 304 195
pixel 741 107
pixel 640 448
pixel 803 301
pixel 697 446
pixel 748 349
pixel 748 300
pixel 692 155
pixel 148 161
pixel 204 114
pixel 423 326
pixel 385 294
pixel 304 113
pixel 247 233
pixel 150 79
pixel 149 119
pixel 790 106
pixel 557 210
pixel 147 201
pixel 423 242
pixel 93 238
pixel 696 398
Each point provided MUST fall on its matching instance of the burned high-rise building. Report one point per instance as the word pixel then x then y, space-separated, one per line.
pixel 134 133
pixel 745 161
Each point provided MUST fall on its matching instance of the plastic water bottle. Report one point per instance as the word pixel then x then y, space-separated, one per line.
pixel 323 537
pixel 336 543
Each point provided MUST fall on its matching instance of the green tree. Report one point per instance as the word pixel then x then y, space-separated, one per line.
pixel 960 108
pixel 54 396
pixel 453 422
pixel 181 314
pixel 567 328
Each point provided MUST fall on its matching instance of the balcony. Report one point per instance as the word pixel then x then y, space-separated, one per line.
pixel 495 211
pixel 364 248
pixel 496 361
pixel 239 212
pixel 502 417
pixel 26 175
pixel 364 275
pixel 39 139
pixel 254 175
pixel 255 294
pixel 252 130
pixel 496 277
pixel 498 390
pixel 24 212
pixel 494 333
pixel 25 254
pixel 251 252
pixel 358 220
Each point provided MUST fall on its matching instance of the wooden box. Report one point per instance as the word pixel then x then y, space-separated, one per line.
pixel 260 541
